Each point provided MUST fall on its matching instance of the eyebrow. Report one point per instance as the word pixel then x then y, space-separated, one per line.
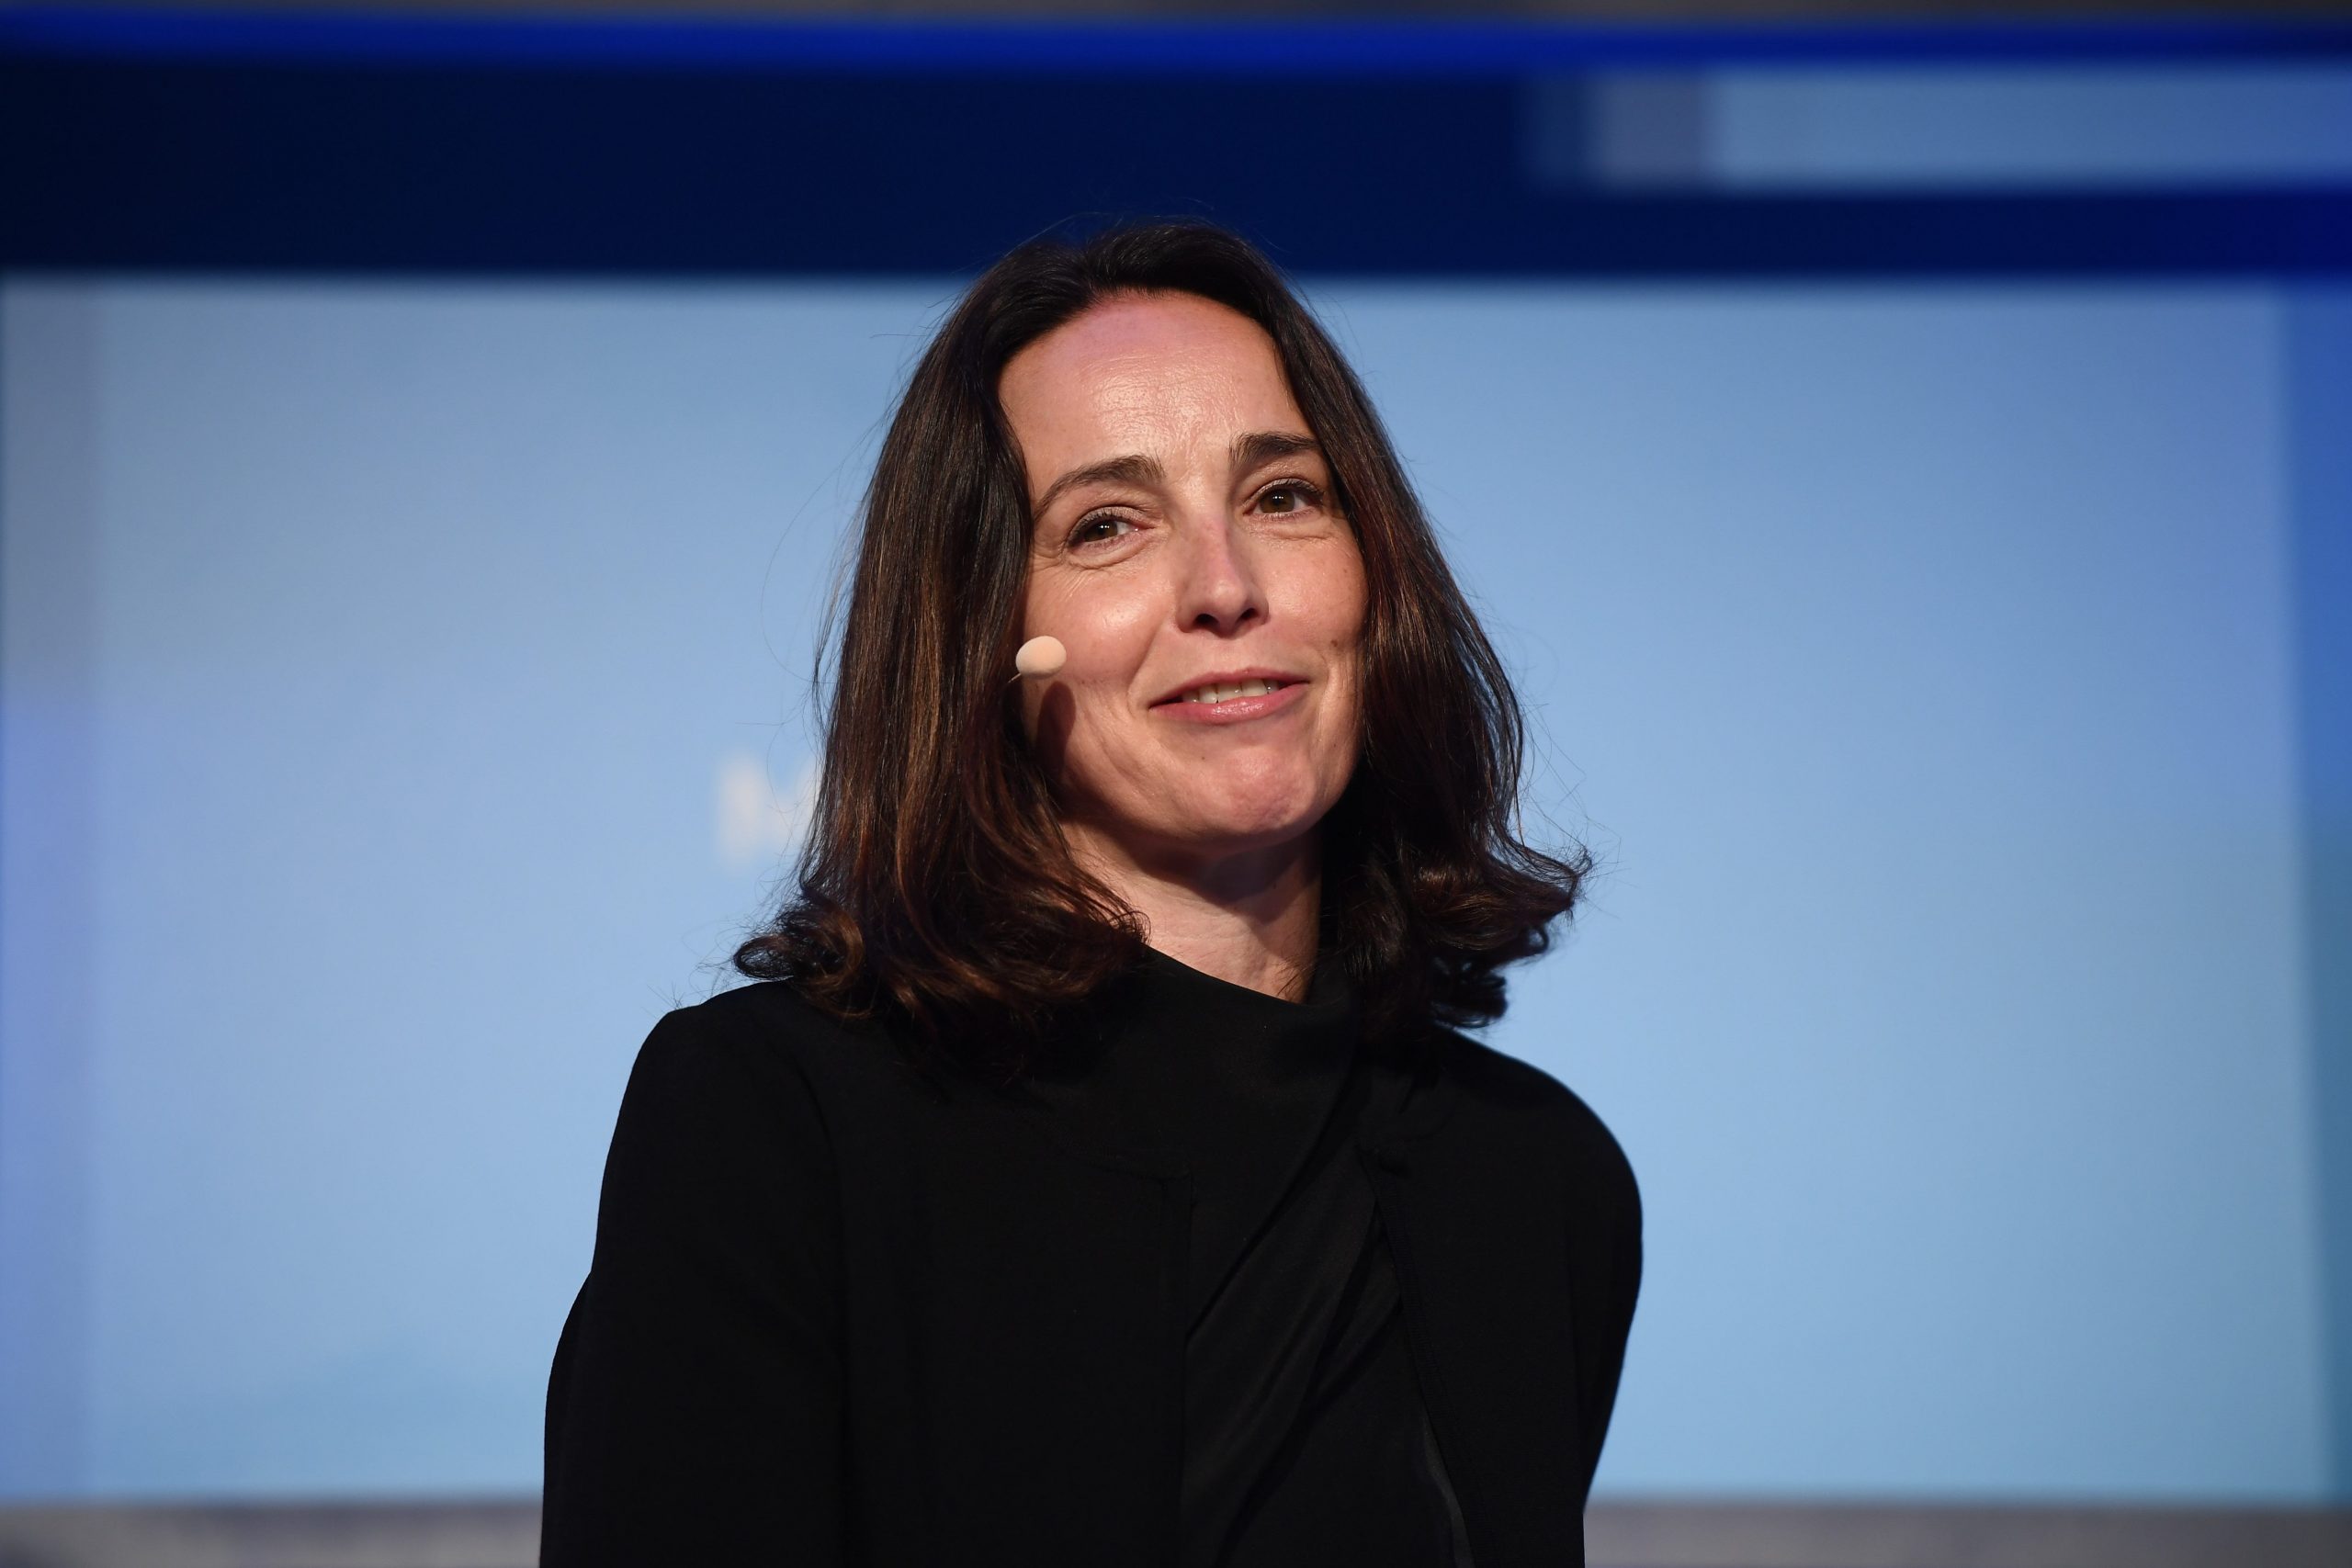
pixel 1250 450
pixel 1261 446
pixel 1133 470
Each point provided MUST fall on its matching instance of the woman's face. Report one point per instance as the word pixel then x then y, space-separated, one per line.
pixel 1187 554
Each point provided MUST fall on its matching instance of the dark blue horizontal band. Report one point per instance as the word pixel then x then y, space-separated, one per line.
pixel 1379 47
pixel 405 165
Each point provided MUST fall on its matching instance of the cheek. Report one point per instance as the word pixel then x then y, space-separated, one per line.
pixel 1108 636
pixel 1332 608
pixel 1078 719
pixel 1340 612
pixel 1105 625
pixel 1325 588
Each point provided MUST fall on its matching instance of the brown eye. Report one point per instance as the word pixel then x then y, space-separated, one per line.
pixel 1289 496
pixel 1101 528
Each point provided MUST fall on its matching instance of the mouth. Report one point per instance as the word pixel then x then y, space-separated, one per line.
pixel 1226 690
pixel 1243 693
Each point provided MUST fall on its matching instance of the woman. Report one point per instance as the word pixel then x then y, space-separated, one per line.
pixel 1096 1178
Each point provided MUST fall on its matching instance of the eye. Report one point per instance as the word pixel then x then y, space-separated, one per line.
pixel 1100 528
pixel 1289 495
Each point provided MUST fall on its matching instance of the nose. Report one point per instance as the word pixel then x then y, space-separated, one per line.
pixel 1221 592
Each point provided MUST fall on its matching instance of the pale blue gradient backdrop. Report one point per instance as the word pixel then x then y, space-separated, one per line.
pixel 398 677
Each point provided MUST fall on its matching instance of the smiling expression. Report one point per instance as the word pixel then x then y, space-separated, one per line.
pixel 1188 552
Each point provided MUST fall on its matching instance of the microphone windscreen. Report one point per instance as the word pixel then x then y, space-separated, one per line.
pixel 1040 656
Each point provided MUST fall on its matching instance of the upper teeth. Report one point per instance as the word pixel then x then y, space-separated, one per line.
pixel 1225 692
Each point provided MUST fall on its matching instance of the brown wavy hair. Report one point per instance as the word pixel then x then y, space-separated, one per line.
pixel 936 885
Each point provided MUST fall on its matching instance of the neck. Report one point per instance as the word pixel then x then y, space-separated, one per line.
pixel 1250 918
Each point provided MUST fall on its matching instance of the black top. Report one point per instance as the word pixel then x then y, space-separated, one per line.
pixel 847 1312
pixel 1305 1434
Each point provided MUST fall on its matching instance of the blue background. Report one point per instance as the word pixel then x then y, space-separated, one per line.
pixel 1926 577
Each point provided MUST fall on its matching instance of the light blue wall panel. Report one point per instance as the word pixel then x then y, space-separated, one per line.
pixel 1949 127
pixel 1919 661
pixel 2319 333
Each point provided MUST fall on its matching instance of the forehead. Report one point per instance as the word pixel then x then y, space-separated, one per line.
pixel 1146 371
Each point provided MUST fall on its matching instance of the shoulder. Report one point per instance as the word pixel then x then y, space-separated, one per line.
pixel 763 1019
pixel 1500 1090
pixel 739 1058
pixel 762 1046
pixel 720 1047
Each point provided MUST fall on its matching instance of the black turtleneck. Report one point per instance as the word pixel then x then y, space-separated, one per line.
pixel 1305 1439
pixel 845 1308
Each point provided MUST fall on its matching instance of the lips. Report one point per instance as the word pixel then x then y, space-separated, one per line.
pixel 1235 698
pixel 1224 686
pixel 1225 691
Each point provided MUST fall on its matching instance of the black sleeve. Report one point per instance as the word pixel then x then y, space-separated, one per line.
pixel 695 1407
pixel 1605 1270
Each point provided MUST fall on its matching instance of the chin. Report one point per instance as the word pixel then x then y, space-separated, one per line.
pixel 1248 820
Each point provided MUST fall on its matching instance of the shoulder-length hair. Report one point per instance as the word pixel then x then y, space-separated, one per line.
pixel 936 884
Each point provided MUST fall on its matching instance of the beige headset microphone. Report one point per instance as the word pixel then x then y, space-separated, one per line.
pixel 1041 657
